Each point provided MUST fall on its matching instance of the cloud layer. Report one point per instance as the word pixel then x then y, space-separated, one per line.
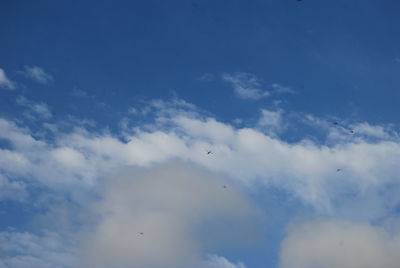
pixel 306 169
pixel 172 204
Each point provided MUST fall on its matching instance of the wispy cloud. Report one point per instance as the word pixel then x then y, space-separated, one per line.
pixel 37 74
pixel 278 88
pixel 215 261
pixel 79 93
pixel 272 121
pixel 207 77
pixel 246 85
pixel 5 82
pixel 34 109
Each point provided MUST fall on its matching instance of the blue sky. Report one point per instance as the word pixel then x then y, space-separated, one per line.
pixel 100 101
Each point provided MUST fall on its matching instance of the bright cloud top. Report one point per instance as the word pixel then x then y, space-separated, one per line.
pixel 306 169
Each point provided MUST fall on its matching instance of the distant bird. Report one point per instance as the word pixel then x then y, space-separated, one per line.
pixel 209 152
pixel 141 233
pixel 224 187
pixel 339 169
pixel 299 0
pixel 351 131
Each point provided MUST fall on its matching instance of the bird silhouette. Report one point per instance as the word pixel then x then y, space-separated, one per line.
pixel 349 130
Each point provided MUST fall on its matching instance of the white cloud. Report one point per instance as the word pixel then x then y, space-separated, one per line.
pixel 38 74
pixel 305 169
pixel 374 131
pixel 4 81
pixel 169 209
pixel 246 85
pixel 339 244
pixel 68 157
pixel 166 217
pixel 34 109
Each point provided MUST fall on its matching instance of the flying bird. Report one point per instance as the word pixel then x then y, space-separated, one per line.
pixel 339 169
pixel 350 131
pixel 224 187
pixel 141 233
pixel 209 152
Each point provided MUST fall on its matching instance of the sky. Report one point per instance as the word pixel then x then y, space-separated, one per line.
pixel 202 134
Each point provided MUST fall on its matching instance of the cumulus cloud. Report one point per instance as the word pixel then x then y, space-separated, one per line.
pixel 4 81
pixel 344 244
pixel 37 74
pixel 246 85
pixel 167 216
pixel 306 169
pixel 172 209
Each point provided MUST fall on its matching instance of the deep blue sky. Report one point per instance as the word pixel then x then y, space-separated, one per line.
pixel 339 56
